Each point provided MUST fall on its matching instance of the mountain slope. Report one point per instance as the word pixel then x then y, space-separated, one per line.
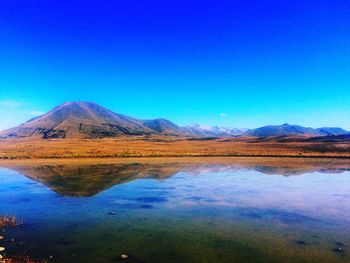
pixel 279 130
pixel 81 120
pixel 287 129
pixel 332 131
pixel 90 120
pixel 164 126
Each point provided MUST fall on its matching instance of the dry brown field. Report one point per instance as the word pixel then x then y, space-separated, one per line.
pixel 165 147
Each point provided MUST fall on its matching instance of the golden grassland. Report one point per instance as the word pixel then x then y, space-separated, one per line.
pixel 21 259
pixel 165 147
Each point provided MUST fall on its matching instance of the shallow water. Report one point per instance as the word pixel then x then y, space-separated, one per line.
pixel 178 212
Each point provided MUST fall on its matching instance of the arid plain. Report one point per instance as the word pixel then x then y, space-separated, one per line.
pixel 140 146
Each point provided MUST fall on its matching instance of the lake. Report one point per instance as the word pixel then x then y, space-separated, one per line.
pixel 178 210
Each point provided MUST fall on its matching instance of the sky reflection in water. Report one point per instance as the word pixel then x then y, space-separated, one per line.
pixel 171 212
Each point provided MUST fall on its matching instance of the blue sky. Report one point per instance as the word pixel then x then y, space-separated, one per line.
pixel 211 62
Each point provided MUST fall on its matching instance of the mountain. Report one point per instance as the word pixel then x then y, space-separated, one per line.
pixel 213 131
pixel 86 120
pixel 164 126
pixel 90 120
pixel 279 130
pixel 332 131
pixel 287 129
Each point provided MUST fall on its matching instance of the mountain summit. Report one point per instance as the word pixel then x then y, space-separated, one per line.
pixel 84 120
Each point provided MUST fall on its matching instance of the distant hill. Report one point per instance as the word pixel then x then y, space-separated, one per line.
pixel 332 131
pixel 164 126
pixel 287 129
pixel 87 120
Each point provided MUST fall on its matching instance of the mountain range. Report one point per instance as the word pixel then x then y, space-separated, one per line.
pixel 287 129
pixel 90 120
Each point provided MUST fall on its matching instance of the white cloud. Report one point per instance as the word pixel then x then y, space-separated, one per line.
pixel 222 114
pixel 10 103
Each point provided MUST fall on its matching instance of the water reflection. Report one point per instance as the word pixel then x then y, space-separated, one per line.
pixel 207 210
pixel 89 179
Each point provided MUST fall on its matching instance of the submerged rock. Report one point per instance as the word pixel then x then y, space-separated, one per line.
pixel 1 237
pixel 124 256
pixel 2 248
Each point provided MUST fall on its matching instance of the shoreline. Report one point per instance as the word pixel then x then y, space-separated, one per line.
pixel 161 159
pixel 11 158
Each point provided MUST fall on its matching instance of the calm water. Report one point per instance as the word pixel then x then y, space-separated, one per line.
pixel 178 212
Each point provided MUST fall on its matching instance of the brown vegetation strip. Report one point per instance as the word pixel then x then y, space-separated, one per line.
pixel 157 147
pixel 8 221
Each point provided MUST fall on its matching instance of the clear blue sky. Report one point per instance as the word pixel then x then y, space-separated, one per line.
pixel 229 63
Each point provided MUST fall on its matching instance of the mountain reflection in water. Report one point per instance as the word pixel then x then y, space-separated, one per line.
pixel 86 179
pixel 179 210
